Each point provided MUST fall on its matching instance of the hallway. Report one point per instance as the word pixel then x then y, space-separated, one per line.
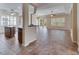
pixel 50 42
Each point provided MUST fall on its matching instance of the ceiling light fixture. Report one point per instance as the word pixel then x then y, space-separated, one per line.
pixel 12 12
pixel 51 15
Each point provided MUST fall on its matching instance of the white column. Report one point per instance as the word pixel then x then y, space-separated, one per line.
pixel 29 33
pixel 74 23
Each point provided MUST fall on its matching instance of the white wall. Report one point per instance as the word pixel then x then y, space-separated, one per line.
pixel 30 35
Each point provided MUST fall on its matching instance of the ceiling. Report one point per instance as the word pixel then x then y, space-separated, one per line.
pixel 42 8
pixel 46 8
pixel 39 5
pixel 47 5
pixel 8 6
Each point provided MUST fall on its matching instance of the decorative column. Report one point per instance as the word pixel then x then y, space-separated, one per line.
pixel 29 33
pixel 74 23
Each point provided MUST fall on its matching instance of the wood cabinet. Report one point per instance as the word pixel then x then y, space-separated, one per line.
pixel 9 32
pixel 20 35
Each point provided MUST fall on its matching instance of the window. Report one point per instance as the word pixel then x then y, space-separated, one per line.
pixel 7 21
pixel 14 21
pixel 58 22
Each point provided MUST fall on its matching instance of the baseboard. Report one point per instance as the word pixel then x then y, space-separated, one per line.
pixel 72 37
pixel 74 41
pixel 27 44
